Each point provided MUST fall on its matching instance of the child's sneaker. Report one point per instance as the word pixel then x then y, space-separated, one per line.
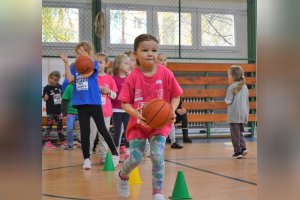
pixel 49 145
pixel 237 155
pixel 115 160
pixel 244 151
pixel 63 144
pixel 102 159
pixel 122 149
pixel 175 145
pixel 123 187
pixel 77 144
pixel 87 164
pixel 158 196
pixel 69 148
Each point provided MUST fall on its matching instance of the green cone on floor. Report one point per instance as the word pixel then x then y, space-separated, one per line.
pixel 108 164
pixel 180 190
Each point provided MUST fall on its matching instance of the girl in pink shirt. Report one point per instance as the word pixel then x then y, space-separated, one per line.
pixel 120 117
pixel 148 80
pixel 108 90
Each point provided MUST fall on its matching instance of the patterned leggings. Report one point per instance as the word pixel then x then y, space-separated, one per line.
pixel 50 121
pixel 157 150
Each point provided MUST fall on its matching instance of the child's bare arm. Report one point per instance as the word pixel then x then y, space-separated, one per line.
pixel 174 104
pixel 68 73
pixel 133 112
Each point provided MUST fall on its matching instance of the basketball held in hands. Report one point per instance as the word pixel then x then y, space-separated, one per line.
pixel 157 113
pixel 84 64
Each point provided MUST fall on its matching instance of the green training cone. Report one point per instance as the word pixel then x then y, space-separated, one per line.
pixel 108 164
pixel 180 190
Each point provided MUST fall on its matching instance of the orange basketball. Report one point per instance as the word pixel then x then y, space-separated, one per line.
pixel 84 64
pixel 157 112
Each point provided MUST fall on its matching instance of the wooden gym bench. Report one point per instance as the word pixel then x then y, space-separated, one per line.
pixel 205 86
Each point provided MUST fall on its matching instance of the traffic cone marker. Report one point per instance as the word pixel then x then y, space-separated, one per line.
pixel 180 190
pixel 108 164
pixel 134 176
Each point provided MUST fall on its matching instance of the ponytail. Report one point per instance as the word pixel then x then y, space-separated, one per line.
pixel 237 74
pixel 239 86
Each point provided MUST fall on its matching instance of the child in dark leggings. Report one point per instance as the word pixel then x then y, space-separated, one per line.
pixel 87 100
pixel 120 71
pixel 52 97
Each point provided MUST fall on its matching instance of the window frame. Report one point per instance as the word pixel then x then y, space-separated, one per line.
pixel 84 10
pixel 122 47
pixel 237 33
pixel 193 12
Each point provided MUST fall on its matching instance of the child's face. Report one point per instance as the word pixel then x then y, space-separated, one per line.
pixel 53 80
pixel 132 61
pixel 102 63
pixel 82 52
pixel 229 76
pixel 125 65
pixel 147 54
pixel 162 59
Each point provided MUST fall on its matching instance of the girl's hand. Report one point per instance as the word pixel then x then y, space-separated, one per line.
pixel 64 57
pixel 140 118
pixel 46 97
pixel 104 90
pixel 181 111
pixel 173 119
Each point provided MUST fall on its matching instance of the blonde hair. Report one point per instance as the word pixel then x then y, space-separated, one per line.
pixel 128 53
pixel 103 55
pixel 237 74
pixel 87 47
pixel 162 54
pixel 55 74
pixel 117 63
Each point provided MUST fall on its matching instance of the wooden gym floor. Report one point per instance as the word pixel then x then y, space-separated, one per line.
pixel 210 173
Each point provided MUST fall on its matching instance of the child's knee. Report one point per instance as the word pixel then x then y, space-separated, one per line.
pixel 136 158
pixel 157 157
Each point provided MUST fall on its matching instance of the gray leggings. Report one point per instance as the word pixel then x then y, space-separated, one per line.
pixel 237 137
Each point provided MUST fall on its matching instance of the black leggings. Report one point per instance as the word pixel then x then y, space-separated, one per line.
pixel 119 118
pixel 182 119
pixel 85 112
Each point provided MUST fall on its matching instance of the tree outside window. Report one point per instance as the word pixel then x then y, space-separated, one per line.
pixel 60 25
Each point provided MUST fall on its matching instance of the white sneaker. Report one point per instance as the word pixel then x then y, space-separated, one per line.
pixel 115 160
pixel 158 196
pixel 102 161
pixel 87 164
pixel 123 187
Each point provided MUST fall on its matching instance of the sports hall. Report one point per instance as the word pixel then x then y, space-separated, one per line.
pixel 201 40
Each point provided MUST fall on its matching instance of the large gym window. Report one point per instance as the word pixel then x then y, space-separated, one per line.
pixel 64 24
pixel 60 25
pixel 217 30
pixel 125 25
pixel 168 28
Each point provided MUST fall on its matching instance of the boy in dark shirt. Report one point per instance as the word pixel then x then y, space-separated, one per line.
pixel 52 97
